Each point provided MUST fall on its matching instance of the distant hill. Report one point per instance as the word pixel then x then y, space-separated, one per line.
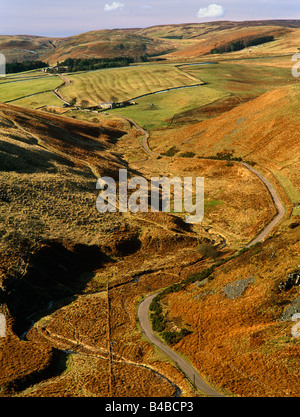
pixel 168 41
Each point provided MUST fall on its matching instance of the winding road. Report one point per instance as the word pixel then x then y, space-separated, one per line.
pixel 187 369
pixel 143 309
pixel 278 204
pixel 66 81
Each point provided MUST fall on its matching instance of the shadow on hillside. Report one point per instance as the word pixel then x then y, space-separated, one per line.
pixel 18 159
pixel 56 274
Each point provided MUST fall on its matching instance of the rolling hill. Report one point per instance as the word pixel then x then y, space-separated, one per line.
pixel 71 278
pixel 61 260
pixel 183 41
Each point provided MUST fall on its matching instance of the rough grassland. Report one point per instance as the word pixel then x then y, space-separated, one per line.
pixel 255 130
pixel 241 342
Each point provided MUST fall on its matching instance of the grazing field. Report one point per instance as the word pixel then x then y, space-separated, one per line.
pixel 26 74
pixel 125 83
pixel 158 110
pixel 39 100
pixel 10 91
pixel 246 79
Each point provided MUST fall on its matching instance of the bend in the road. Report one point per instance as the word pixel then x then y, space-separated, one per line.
pixel 187 369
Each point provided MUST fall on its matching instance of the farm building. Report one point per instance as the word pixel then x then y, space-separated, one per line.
pixel 56 69
pixel 112 105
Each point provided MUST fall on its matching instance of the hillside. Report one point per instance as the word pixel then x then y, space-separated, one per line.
pixel 241 323
pixel 183 41
pixel 72 278
pixel 61 260
pixel 263 130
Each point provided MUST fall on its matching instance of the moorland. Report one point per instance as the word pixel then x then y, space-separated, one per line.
pixel 72 279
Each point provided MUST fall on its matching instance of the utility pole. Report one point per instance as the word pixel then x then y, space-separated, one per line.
pixel 199 333
pixel 108 340
pixel 111 360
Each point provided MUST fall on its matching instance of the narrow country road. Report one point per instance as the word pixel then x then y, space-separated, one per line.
pixel 143 310
pixel 278 204
pixel 144 132
pixel 56 90
pixel 187 369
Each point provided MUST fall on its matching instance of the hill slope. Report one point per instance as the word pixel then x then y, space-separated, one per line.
pixel 177 41
pixel 264 130
pixel 241 324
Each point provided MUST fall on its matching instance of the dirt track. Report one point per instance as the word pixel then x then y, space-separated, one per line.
pixel 56 90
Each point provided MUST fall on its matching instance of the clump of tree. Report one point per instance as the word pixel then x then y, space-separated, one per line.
pixel 228 155
pixel 159 321
pixel 171 152
pixel 90 64
pixel 187 154
pixel 172 337
pixel 73 101
pixel 84 104
pixel 241 44
pixel 14 67
pixel 173 37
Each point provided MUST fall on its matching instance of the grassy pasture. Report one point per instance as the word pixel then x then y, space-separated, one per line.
pixel 157 110
pixel 26 74
pixel 242 79
pixel 125 83
pixel 39 100
pixel 14 90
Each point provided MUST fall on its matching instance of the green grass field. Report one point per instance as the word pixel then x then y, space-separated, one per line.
pixel 26 74
pixel 14 90
pixel 125 83
pixel 157 110
pixel 39 100
pixel 241 79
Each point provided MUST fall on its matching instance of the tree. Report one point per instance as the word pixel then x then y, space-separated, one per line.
pixel 84 104
pixel 73 101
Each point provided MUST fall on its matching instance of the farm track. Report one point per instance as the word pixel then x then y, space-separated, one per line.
pixel 85 349
pixel 66 81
